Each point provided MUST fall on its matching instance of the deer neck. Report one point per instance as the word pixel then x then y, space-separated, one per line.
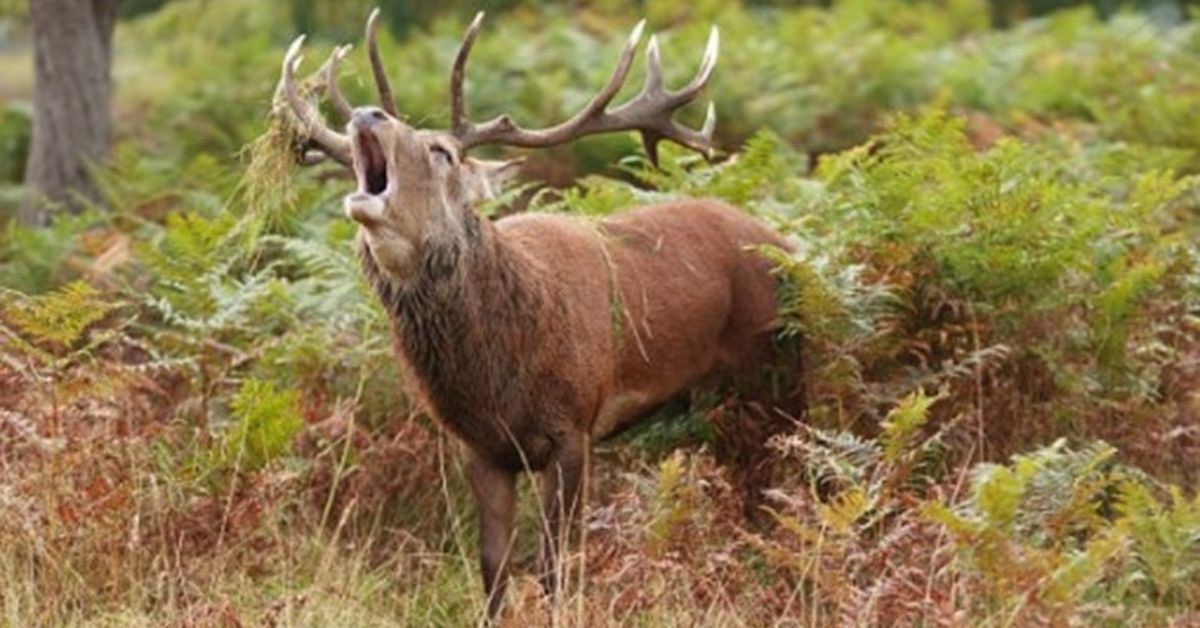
pixel 461 317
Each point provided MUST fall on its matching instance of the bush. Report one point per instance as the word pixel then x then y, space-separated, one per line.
pixel 15 130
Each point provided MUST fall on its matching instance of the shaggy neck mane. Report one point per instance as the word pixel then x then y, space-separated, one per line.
pixel 461 320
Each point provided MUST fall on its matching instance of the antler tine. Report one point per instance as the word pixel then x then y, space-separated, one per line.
pixel 386 100
pixel 654 80
pixel 328 141
pixel 459 124
pixel 648 113
pixel 502 129
pixel 600 101
pixel 655 104
pixel 335 93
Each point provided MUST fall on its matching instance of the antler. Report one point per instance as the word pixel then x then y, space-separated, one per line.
pixel 386 100
pixel 315 133
pixel 648 113
pixel 312 126
pixel 335 95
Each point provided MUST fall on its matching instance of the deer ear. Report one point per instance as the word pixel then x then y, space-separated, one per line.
pixel 497 172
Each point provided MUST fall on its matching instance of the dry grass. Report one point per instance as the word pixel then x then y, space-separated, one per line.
pixel 102 525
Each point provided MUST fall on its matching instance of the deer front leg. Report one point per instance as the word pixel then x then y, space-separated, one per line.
pixel 561 482
pixel 495 496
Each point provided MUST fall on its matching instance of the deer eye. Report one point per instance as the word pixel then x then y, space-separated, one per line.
pixel 441 152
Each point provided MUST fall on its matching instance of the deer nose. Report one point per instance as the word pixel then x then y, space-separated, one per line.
pixel 366 117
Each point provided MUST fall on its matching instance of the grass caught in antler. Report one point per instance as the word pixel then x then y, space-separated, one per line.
pixel 269 179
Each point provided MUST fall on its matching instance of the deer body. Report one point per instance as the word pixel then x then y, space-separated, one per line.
pixel 535 335
pixel 541 328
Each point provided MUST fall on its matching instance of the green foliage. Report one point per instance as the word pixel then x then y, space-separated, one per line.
pixel 60 317
pixel 1059 532
pixel 192 253
pixel 265 421
pixel 15 131
pixel 675 425
pixel 996 226
pixel 34 260
pixel 1075 527
pixel 902 423
pixel 1165 544
pixel 671 508
pixel 1016 236
pixel 58 341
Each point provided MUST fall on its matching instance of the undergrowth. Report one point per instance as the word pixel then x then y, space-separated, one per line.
pixel 993 273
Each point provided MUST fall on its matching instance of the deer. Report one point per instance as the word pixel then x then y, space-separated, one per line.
pixel 535 335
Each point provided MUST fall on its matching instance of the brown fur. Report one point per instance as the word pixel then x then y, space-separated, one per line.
pixel 537 329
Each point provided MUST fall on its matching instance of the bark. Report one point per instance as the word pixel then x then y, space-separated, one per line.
pixel 72 127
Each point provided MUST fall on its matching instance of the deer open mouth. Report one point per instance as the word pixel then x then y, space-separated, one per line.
pixel 372 164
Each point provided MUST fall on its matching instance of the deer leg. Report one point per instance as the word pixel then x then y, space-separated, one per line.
pixel 561 482
pixel 495 496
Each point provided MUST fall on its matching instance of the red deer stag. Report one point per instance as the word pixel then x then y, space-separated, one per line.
pixel 531 336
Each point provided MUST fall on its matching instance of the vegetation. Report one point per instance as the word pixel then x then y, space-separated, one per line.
pixel 996 285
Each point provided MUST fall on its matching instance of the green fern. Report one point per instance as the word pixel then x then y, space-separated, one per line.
pixel 59 318
pixel 900 428
pixel 266 420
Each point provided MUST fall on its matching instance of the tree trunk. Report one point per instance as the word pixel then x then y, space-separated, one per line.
pixel 72 44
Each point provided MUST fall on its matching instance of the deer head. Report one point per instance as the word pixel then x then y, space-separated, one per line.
pixel 414 184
